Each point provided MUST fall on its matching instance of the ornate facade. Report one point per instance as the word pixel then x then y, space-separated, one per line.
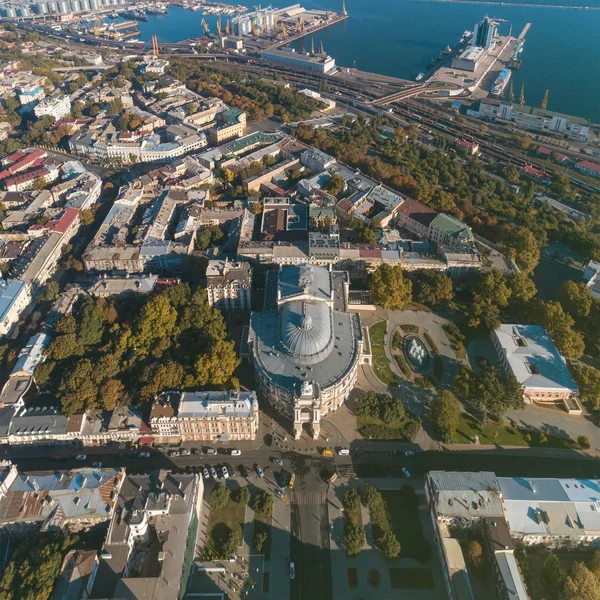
pixel 306 347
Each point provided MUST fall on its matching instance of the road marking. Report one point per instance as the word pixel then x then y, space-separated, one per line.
pixel 308 498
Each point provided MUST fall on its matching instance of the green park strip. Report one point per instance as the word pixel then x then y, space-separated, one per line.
pixel 415 579
pixel 381 365
pixel 225 526
pixel 403 513
pixel 263 517
pixel 506 435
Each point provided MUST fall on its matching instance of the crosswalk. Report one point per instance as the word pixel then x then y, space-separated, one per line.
pixel 313 498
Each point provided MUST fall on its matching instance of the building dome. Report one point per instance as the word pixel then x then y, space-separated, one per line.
pixel 305 328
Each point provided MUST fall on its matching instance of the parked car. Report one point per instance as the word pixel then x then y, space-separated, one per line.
pixel 292 571
pixel 406 472
pixel 225 473
pixel 80 457
pixel 235 452
pixel 205 473
pixel 343 452
pixel 196 452
pixel 97 465
pixel 184 452
pixel 277 461
pixel 144 454
pixel 211 451
pixel 174 452
pixel 259 470
pixel 213 472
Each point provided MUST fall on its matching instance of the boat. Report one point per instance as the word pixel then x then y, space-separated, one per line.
pixel 420 76
pixel 447 50
pixel 501 82
pixel 431 63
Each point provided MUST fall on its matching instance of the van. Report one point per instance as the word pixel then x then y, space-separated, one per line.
pixel 326 452
pixel 343 452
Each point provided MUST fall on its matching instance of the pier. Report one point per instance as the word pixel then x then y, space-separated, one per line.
pixel 524 32
pixel 298 36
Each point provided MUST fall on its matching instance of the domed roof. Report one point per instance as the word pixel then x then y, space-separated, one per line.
pixel 305 327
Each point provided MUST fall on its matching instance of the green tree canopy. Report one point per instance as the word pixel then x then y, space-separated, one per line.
pixel 575 298
pixel 389 288
pixel 444 411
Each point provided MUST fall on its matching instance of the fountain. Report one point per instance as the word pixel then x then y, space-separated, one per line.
pixel 417 354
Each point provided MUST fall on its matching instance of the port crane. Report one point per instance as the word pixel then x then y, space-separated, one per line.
pixel 227 27
pixel 219 30
pixel 204 25
pixel 97 24
pixel 254 28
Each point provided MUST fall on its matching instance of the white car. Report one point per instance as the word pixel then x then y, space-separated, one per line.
pixel 184 452
pixel 259 470
pixel 225 473
pixel 236 453
pixel 80 457
pixel 213 472
pixel 205 473
pixel 406 472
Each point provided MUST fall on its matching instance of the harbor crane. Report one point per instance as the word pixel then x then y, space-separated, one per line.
pixel 254 28
pixel 97 24
pixel 219 30
pixel 204 25
pixel 227 27
pixel 283 29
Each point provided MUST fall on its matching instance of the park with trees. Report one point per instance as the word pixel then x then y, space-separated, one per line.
pixel 128 350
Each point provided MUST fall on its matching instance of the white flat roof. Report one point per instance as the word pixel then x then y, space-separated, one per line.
pixel 534 359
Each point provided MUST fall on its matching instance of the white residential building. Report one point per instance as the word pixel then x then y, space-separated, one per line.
pixel 53 106
pixel 229 285
pixel 14 299
pixel 591 277
pixel 528 352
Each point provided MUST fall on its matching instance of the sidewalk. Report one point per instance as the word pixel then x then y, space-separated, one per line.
pixel 278 566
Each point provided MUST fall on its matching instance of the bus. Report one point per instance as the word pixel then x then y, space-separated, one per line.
pixel 292 481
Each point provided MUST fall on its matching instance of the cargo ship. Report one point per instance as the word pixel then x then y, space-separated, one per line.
pixel 501 82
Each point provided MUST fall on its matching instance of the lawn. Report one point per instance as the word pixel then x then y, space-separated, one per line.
pixel 403 511
pixel 381 365
pixel 416 579
pixel 457 339
pixel 373 427
pixel 492 433
pixel 223 523
pixel 402 365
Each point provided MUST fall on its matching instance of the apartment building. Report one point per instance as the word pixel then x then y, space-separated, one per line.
pixel 56 106
pixel 218 416
pixel 228 285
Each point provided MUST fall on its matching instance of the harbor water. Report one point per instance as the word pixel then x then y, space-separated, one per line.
pixel 399 38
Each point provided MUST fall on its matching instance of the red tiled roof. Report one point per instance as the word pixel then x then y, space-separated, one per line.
pixel 28 176
pixel 417 211
pixel 60 225
pixel 589 165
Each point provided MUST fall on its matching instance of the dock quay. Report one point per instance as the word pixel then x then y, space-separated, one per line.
pixel 524 32
pixel 308 31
